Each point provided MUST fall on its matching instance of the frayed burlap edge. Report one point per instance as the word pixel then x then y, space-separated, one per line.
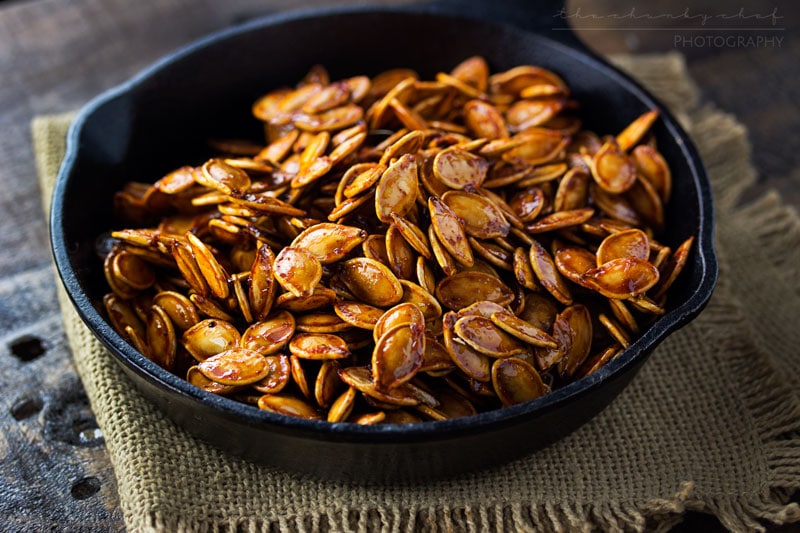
pixel 771 405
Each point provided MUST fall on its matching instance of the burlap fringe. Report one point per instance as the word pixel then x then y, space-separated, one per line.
pixel 777 227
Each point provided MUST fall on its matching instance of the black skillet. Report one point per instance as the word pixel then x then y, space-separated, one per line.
pixel 156 121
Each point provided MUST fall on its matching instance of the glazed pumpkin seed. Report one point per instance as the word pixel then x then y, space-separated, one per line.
pixel 516 381
pixel 299 375
pixel 622 278
pixel 297 270
pixel 179 180
pixel 277 150
pixel 473 71
pixel 459 169
pixel 371 282
pixel 599 359
pixel 271 335
pixel 123 317
pixel 493 254
pixel 425 301
pixel 465 288
pixel 540 146
pixel 622 214
pixel 322 297
pixel 435 357
pixel 547 273
pixel 321 322
pixel 523 272
pixel 408 144
pixel 401 314
pixel 450 231
pixel 517 79
pixel 348 206
pixel 397 189
pixel 343 405
pixel 442 256
pixel 358 314
pixel 288 405
pixel 615 330
pixel 480 217
pixel 483 120
pixel 577 323
pixel 196 378
pixel 329 242
pixel 331 120
pixel 242 299
pixel 482 335
pixel 374 247
pixel 327 385
pixel 236 366
pixel 218 175
pixel 277 378
pixel 210 337
pixel 560 220
pixel 318 346
pixel 368 419
pixel 360 178
pixel 526 114
pixel 454 405
pixel 400 254
pixel 266 204
pixel 673 267
pixel 412 235
pixel 651 164
pixel 521 329
pixel 573 262
pixel 646 305
pixel 634 131
pixel 132 271
pixel 471 362
pixel 628 243
pixel 331 96
pixel 262 283
pixel 528 203
pixel 484 308
pixel 543 174
pixel 398 355
pixel 425 275
pixel 161 341
pixel 360 378
pixel 573 191
pixel 623 314
pixel 644 198
pixel 210 308
pixel 185 261
pixel 612 169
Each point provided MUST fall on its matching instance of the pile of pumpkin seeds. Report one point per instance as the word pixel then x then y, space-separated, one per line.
pixel 398 250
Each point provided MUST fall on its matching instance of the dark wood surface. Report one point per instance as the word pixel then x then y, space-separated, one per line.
pixel 55 473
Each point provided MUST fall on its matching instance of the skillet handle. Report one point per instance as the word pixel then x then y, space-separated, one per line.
pixel 548 17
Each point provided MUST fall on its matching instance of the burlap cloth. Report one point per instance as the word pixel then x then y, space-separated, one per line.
pixel 710 423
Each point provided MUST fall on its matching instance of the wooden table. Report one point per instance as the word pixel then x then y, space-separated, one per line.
pixel 54 56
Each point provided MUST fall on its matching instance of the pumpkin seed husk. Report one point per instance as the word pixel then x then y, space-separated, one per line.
pixel 318 346
pixel 516 381
pixel 236 366
pixel 288 405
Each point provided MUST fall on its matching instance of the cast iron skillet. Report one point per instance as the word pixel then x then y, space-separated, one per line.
pixel 156 121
